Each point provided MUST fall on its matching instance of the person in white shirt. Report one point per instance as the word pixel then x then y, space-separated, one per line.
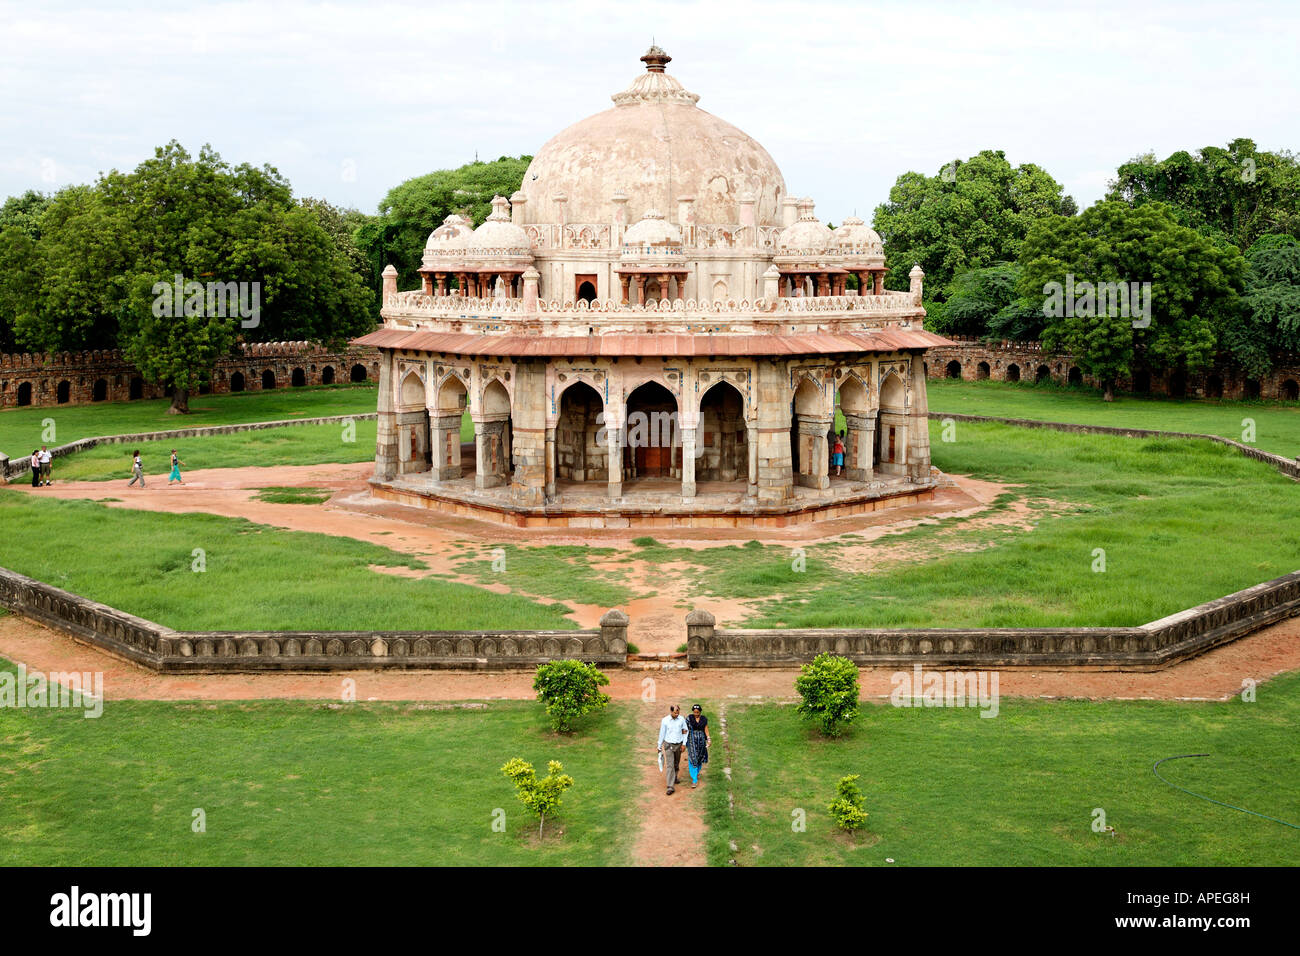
pixel 46 457
pixel 672 734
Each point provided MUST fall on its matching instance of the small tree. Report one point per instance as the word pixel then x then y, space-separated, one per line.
pixel 846 808
pixel 539 796
pixel 569 689
pixel 829 688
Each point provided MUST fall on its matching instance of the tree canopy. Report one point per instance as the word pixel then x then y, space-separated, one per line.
pixel 970 215
pixel 1238 193
pixel 1194 284
pixel 103 255
pixel 416 207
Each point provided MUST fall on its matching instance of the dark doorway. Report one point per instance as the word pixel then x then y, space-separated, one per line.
pixel 652 432
pixel 1290 390
pixel 99 391
pixel 268 379
pixel 1250 389
pixel 1075 377
pixel 1214 387
pixel 954 369
pixel 1013 373
pixel 137 388
pixel 982 370
pixel 327 375
pixel 1044 374
pixel 358 373
pixel 1141 381
pixel 298 379
pixel 25 393
pixel 587 292
pixel 237 382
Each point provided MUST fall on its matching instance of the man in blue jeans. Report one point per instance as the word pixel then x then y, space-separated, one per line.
pixel 672 734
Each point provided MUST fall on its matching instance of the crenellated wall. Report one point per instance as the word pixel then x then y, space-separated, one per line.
pixel 972 359
pixel 82 378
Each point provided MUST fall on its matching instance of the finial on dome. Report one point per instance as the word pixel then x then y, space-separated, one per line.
pixel 655 59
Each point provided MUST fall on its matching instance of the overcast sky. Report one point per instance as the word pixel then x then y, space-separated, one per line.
pixel 347 100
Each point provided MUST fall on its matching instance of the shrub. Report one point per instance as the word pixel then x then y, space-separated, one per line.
pixel 539 796
pixel 829 688
pixel 846 809
pixel 569 691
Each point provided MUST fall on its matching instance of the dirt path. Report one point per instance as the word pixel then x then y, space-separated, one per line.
pixel 672 830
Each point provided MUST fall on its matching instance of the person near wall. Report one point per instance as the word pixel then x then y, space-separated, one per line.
pixel 46 458
pixel 837 454
pixel 36 468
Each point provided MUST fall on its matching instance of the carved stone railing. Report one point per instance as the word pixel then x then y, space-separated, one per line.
pixel 163 649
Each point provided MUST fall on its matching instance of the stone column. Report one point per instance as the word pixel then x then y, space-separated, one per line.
pixel 444 435
pixel 772 390
pixel 625 281
pixel 814 468
pixel 689 435
pixel 442 283
pixel 880 283
pixel 386 431
pixel 639 282
pixel 823 284
pixel 860 442
pixel 426 283
pixel 751 444
pixel 551 462
pixel 918 430
pixel 533 442
pixel 613 436
pixel 489 448
pixel 665 293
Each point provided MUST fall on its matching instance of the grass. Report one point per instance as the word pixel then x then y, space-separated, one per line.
pixel 563 572
pixel 947 787
pixel 22 429
pixel 254 577
pixel 1276 424
pixel 296 783
pixel 292 445
pixel 294 496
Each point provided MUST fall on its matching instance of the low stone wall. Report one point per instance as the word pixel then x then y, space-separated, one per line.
pixel 163 649
pixel 1287 466
pixel 1148 647
pixel 14 468
pixel 972 359
pixel 82 378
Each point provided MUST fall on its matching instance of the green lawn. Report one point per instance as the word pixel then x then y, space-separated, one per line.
pixel 306 783
pixel 255 577
pixel 22 429
pixel 1277 424
pixel 292 445
pixel 948 787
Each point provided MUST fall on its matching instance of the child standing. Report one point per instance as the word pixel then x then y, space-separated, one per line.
pixel 837 454
pixel 176 469
pixel 137 470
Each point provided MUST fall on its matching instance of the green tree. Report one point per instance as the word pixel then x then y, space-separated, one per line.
pixel 416 207
pixel 1270 314
pixel 539 796
pixel 985 303
pixel 969 215
pixel 569 689
pixel 829 690
pixel 105 254
pixel 1194 289
pixel 1237 193
pixel 24 212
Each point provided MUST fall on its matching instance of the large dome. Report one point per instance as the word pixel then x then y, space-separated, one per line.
pixel 655 146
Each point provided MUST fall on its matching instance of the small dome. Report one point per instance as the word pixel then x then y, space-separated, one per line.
pixel 856 237
pixel 498 234
pixel 454 229
pixel 652 230
pixel 806 234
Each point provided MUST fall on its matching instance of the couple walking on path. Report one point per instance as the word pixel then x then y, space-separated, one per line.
pixel 137 469
pixel 676 732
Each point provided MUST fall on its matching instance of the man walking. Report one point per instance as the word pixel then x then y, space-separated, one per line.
pixel 672 734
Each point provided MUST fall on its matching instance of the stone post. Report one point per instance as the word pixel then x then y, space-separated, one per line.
pixel 426 283
pixel 771 285
pixel 879 283
pixel 517 207
pixel 389 280
pixel 639 282
pixel 789 210
pixel 751 444
pixel 686 219
pixel 552 465
pixel 814 468
pixel 613 631
pixel 619 225
pixel 699 632
pixel 444 441
pixel 625 281
pixel 530 290
pixel 915 276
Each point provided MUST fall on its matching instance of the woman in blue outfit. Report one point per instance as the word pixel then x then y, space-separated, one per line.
pixel 697 743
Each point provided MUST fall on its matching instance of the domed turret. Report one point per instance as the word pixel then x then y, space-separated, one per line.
pixel 498 236
pixel 806 235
